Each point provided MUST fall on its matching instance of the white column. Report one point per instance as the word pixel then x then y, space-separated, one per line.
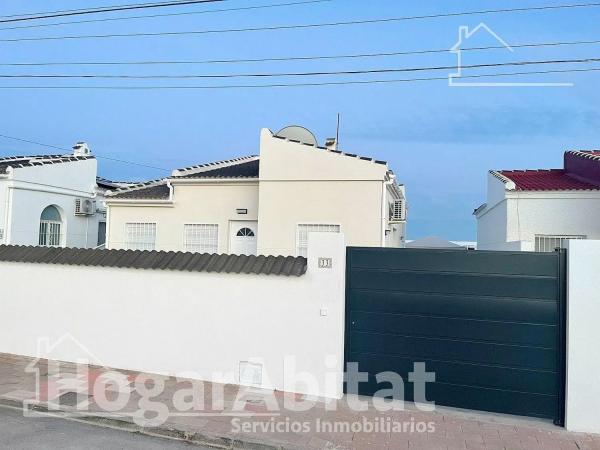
pixel 328 292
pixel 583 336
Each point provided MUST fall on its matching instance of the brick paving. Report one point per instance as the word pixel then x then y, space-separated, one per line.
pixel 449 429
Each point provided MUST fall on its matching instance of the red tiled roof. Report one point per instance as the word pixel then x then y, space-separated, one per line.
pixel 547 180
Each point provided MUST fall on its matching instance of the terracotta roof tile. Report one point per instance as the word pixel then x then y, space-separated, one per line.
pixel 547 180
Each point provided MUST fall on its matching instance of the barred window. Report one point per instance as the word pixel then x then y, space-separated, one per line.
pixel 302 235
pixel 548 243
pixel 201 238
pixel 140 236
pixel 50 228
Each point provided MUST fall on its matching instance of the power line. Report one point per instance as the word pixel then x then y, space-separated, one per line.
pixel 296 58
pixel 79 12
pixel 68 150
pixel 152 16
pixel 328 83
pixel 73 10
pixel 310 74
pixel 300 26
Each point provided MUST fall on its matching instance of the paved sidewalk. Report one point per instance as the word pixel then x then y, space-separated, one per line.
pixel 229 417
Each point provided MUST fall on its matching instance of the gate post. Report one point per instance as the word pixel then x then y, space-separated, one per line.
pixel 583 336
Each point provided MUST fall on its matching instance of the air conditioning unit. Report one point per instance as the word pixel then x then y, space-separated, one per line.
pixel 398 211
pixel 84 207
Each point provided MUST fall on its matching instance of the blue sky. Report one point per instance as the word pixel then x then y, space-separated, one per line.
pixel 439 140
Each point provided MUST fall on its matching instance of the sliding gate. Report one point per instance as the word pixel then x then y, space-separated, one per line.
pixel 489 324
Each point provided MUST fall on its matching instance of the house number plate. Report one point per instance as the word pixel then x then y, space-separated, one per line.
pixel 325 263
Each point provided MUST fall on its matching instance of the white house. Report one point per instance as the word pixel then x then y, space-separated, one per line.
pixel 52 200
pixel 538 210
pixel 266 204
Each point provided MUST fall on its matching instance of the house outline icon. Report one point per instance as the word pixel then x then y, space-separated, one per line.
pixel 464 34
pixel 45 350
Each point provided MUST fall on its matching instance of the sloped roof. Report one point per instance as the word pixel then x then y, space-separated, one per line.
pixel 155 192
pixel 547 180
pixel 110 184
pixel 37 160
pixel 245 169
pixel 212 166
pixel 149 190
pixel 155 260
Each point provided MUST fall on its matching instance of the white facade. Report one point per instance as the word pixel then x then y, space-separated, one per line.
pixel 526 219
pixel 197 325
pixel 295 189
pixel 58 185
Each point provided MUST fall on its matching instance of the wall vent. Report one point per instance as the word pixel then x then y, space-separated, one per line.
pixel 250 373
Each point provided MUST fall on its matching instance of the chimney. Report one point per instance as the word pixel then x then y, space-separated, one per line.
pixel 81 149
pixel 331 144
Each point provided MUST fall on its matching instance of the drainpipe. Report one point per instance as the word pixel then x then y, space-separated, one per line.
pixel 384 217
pixel 170 186
pixel 7 207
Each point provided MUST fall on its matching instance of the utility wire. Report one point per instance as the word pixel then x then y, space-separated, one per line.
pixel 328 83
pixel 300 26
pixel 68 151
pixel 294 58
pixel 153 16
pixel 79 12
pixel 310 74
pixel 78 9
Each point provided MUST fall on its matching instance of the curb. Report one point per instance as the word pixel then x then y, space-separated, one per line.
pixel 165 432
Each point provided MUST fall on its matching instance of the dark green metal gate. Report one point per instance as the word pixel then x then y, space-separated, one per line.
pixel 489 324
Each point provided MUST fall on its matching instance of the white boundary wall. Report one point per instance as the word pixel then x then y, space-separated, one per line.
pixel 583 337
pixel 180 323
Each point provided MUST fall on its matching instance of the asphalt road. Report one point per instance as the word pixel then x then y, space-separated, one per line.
pixel 18 432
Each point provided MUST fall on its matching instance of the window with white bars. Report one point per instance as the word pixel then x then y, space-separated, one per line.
pixel 140 236
pixel 302 235
pixel 548 243
pixel 49 233
pixel 50 227
pixel 201 238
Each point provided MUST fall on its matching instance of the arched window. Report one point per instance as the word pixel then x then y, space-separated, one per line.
pixel 50 227
pixel 245 232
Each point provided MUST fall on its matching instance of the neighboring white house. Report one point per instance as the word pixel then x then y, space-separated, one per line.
pixel 538 210
pixel 52 200
pixel 265 204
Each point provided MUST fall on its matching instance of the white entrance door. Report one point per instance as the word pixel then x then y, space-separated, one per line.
pixel 243 237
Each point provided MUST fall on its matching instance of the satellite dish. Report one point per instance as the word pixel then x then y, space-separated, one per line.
pixel 297 133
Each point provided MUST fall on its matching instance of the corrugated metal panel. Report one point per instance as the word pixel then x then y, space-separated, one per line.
pixel 155 260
